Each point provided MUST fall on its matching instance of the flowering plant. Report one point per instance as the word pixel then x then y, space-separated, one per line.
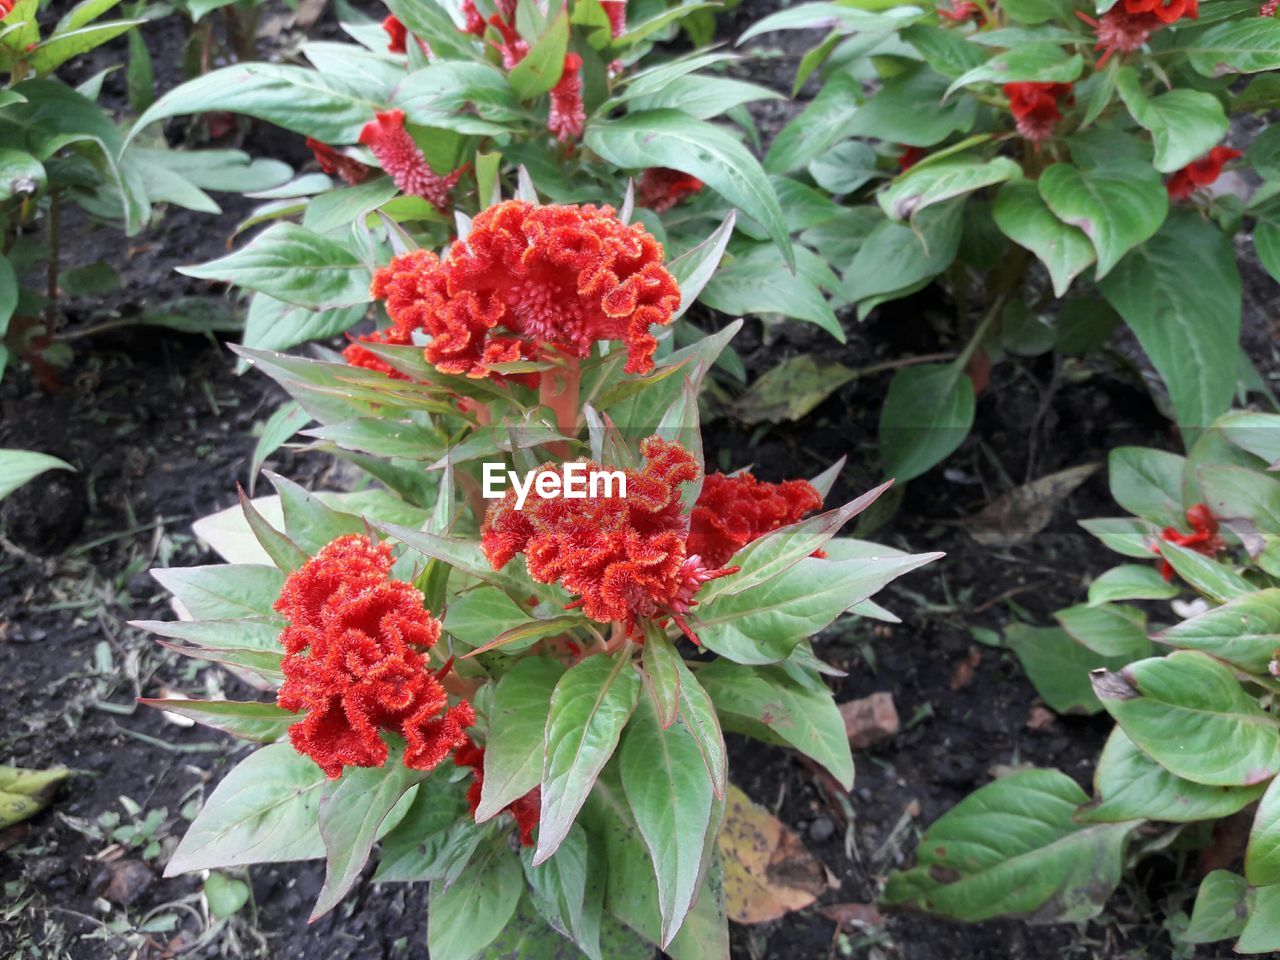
pixel 1196 741
pixel 519 693
pixel 433 111
pixel 1057 168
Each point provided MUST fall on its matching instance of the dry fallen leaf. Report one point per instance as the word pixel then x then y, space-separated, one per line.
pixel 1041 718
pixel 1018 515
pixel 859 915
pixel 962 670
pixel 767 870
pixel 870 719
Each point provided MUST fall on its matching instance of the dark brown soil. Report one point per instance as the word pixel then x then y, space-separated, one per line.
pixel 159 427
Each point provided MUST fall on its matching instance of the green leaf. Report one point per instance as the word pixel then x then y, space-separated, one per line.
pixel 467 98
pixel 1249 45
pixel 773 705
pixel 514 750
pixel 661 673
pixel 896 257
pixel 24 793
pixel 817 128
pixel 1215 580
pixel 541 67
pixel 1257 433
pixel 1129 785
pixel 704 96
pixel 263 811
pixel 324 106
pixel 842 17
pixel 1057 666
pixel 929 183
pixel 1110 630
pixel 1012 848
pixel 1180 295
pixel 436 837
pixel 466 916
pixel 1023 216
pixel 926 416
pixel 759 281
pixel 844 168
pixel 1129 581
pixel 694 268
pixel 947 51
pixel 1117 206
pixel 60 48
pixel 1262 857
pixel 21 466
pixel 670 796
pixel 21 175
pixel 225 590
pixel 1189 713
pixel 698 712
pixel 354 811
pixel 1148 483
pixel 1221 908
pixel 284 553
pixel 667 138
pixel 589 707
pixel 1261 933
pixel 910 108
pixel 292 264
pixel 1244 632
pixel 1031 62
pixel 225 895
pixel 479 615
pixel 251 720
pixel 1184 124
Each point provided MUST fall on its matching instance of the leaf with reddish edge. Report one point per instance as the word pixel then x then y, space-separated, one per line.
pixel 660 674
pixel 513 752
pixel 283 552
pixel 249 720
pixel 590 705
pixel 699 713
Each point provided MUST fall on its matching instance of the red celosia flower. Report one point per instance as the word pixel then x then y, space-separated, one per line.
pixel 507 9
pixel 910 156
pixel 475 22
pixel 1120 31
pixel 354 660
pixel 661 188
pixel 567 115
pixel 513 47
pixel 626 558
pixel 391 143
pixel 334 162
pixel 6 8
pixel 397 33
pixel 1203 539
pixel 1199 173
pixel 961 10
pixel 358 356
pixel 526 809
pixel 733 511
pixel 1269 8
pixel 616 11
pixel 1035 107
pixel 1166 11
pixel 530 275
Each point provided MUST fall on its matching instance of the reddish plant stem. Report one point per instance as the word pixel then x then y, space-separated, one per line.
pixel 560 391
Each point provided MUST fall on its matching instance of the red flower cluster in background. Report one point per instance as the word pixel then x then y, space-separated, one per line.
pixel 661 188
pixel 528 276
pixel 567 116
pixel 401 157
pixel 1166 11
pixel 1200 173
pixel 526 809
pixel 513 48
pixel 733 511
pixel 336 163
pixel 1204 538
pixel 625 557
pixel 1035 107
pixel 910 156
pixel 354 660
pixel 960 11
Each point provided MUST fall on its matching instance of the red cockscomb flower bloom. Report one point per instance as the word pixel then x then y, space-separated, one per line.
pixel 336 163
pixel 527 276
pixel 354 660
pixel 1035 107
pixel 400 157
pixel 567 116
pixel 1199 173
pixel 397 33
pixel 1166 11
pixel 513 48
pixel 526 809
pixel 910 156
pixel 1203 539
pixel 625 557
pixel 960 11
pixel 661 188
pixel 733 511
pixel 616 11
pixel 475 22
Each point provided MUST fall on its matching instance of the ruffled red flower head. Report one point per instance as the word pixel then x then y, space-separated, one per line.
pixel 1199 173
pixel 625 557
pixel 661 188
pixel 1203 539
pixel 567 116
pixel 1166 11
pixel 529 275
pixel 336 163
pixel 400 157
pixel 1035 107
pixel 354 660
pixel 526 809
pixel 733 511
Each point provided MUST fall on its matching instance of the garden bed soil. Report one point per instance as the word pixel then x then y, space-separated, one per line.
pixel 160 429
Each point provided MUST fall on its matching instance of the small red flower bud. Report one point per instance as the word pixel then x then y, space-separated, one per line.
pixel 336 163
pixel 616 11
pixel 661 188
pixel 567 116
pixel 1204 538
pixel 1199 173
pixel 1035 107
pixel 526 810
pixel 400 157
pixel 733 511
pixel 397 33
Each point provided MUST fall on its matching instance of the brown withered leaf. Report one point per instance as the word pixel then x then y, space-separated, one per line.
pixel 767 870
pixel 962 669
pixel 857 915
pixel 1018 515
